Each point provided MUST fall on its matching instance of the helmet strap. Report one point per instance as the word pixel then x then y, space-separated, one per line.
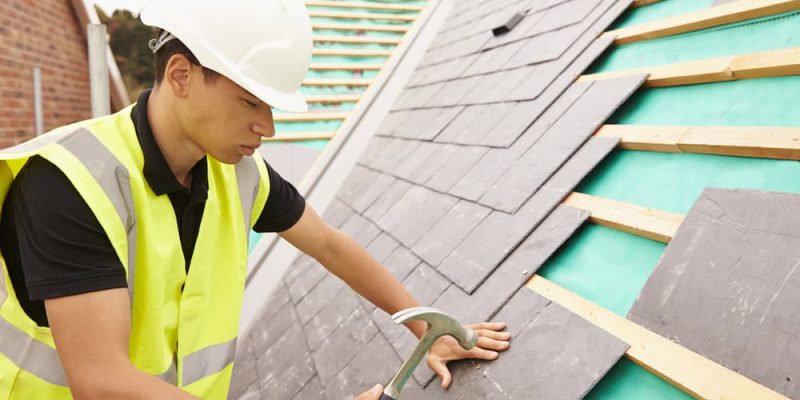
pixel 156 44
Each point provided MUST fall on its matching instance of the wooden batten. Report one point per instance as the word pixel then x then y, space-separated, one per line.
pixel 723 14
pixel 337 82
pixel 693 373
pixel 642 3
pixel 646 222
pixel 346 67
pixel 758 142
pixel 361 28
pixel 357 40
pixel 333 99
pixel 366 16
pixel 747 66
pixel 351 52
pixel 300 137
pixel 364 5
pixel 310 117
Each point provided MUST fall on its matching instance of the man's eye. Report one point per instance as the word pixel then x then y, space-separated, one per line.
pixel 250 103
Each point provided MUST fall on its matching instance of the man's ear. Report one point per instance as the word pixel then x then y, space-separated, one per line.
pixel 176 74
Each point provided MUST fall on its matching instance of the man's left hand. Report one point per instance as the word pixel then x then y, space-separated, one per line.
pixel 491 340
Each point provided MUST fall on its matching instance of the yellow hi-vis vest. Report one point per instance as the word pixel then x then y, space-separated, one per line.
pixel 183 328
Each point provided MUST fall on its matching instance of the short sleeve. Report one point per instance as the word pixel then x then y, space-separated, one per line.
pixel 284 205
pixel 56 242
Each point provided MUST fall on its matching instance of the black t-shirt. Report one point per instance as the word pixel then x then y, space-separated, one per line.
pixel 54 245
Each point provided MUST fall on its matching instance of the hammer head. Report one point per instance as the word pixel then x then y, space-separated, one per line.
pixel 439 324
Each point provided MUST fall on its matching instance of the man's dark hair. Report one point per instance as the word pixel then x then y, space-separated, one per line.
pixel 171 48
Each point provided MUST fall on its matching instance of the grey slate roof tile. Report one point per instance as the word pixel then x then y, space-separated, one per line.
pixel 506 131
pixel 483 174
pixel 433 163
pixel 463 121
pixel 533 85
pixel 733 263
pixel 455 168
pixel 391 123
pixel 415 213
pixel 505 86
pixel 580 164
pixel 453 91
pixel 336 351
pixel 563 357
pixel 244 375
pixel 484 302
pixel 360 229
pixel 443 237
pixel 318 297
pixel 330 317
pixel 486 119
pixel 374 363
pixel 385 201
pixel 441 118
pixel 302 276
pixel 286 367
pixel 269 328
pixel 375 147
pixel 417 159
pixel 382 247
pixel 591 110
pixel 425 284
pixel 492 60
pixel 337 213
pixel 394 154
pixel 490 167
pixel 470 45
pixel 565 14
pixel 367 194
pixel 518 33
pixel 487 83
pixel 311 390
pixel 545 47
pixel 401 262
pixel 524 177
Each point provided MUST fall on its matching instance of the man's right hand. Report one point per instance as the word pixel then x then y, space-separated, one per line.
pixel 372 394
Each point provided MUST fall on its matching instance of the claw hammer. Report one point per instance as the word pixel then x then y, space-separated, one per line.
pixel 439 324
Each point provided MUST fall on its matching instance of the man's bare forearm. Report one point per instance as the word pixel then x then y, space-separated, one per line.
pixel 129 383
pixel 356 267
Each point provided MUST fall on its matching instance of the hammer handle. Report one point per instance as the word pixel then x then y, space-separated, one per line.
pixel 385 396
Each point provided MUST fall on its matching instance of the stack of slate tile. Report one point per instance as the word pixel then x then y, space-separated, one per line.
pixel 458 196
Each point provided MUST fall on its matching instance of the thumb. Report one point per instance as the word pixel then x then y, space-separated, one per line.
pixel 440 368
pixel 376 390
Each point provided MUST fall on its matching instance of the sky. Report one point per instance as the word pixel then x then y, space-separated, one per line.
pixel 110 5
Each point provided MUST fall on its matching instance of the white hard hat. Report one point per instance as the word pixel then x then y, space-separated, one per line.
pixel 262 45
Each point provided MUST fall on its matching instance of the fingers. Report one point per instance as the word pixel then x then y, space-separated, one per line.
pixel 482 354
pixel 440 368
pixel 494 334
pixel 494 326
pixel 492 344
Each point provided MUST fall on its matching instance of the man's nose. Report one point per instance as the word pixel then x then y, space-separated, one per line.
pixel 264 126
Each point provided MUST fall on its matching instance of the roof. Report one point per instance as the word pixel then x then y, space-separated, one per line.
pixel 464 194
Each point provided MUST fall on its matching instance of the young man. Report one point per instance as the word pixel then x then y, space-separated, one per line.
pixel 125 238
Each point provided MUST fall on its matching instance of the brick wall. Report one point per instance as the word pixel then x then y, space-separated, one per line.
pixel 44 34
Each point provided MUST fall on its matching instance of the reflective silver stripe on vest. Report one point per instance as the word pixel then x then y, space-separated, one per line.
pixel 31 355
pixel 171 374
pixel 249 180
pixel 114 179
pixel 207 361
